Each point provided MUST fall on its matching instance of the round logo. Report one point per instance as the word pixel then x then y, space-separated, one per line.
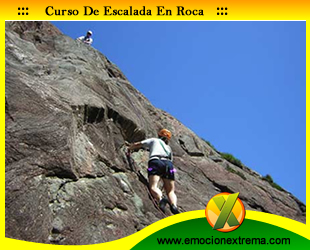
pixel 225 212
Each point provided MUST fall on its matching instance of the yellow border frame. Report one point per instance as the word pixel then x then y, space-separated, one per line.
pixel 130 241
pixel 238 10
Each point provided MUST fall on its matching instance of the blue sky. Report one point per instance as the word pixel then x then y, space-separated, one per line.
pixel 239 85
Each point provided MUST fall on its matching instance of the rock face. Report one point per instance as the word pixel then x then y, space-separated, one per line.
pixel 68 112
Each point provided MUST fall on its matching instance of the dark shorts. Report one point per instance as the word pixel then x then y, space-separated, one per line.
pixel 162 168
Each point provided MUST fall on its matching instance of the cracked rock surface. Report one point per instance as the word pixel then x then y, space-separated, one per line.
pixel 68 112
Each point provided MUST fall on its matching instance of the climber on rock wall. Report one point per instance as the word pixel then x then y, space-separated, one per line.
pixel 86 39
pixel 160 166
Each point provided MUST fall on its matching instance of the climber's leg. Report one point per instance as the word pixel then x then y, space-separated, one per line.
pixel 170 191
pixel 153 184
pixel 169 186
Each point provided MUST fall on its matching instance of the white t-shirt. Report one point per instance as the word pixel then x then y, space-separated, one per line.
pixel 158 148
pixel 86 40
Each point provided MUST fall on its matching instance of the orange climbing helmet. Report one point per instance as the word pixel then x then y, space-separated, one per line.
pixel 165 133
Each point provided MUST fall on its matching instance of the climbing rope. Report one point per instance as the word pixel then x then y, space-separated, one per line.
pixel 134 168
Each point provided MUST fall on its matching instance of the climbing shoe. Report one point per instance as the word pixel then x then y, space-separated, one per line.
pixel 162 204
pixel 174 209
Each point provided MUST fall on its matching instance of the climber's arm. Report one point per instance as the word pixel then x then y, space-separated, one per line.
pixel 136 145
pixel 142 144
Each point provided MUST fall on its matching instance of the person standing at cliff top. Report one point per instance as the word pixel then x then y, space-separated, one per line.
pixel 86 39
pixel 160 166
